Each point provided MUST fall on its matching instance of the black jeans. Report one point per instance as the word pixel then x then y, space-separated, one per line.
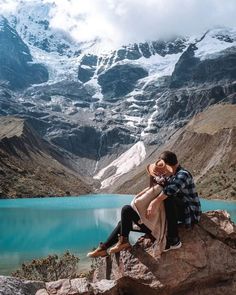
pixel 125 225
pixel 174 208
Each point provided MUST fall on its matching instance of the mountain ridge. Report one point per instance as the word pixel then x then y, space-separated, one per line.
pixel 30 166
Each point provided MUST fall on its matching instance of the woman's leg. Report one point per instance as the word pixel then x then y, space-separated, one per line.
pixel 128 216
pixel 113 238
pixel 123 228
pixel 101 250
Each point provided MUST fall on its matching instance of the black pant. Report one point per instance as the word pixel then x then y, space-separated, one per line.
pixel 125 225
pixel 174 208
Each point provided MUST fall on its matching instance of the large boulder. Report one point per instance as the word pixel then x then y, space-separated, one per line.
pixel 206 262
pixel 80 286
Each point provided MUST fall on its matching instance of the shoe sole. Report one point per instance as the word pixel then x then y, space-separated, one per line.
pixel 96 256
pixel 173 247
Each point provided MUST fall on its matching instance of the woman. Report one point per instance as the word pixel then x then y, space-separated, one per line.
pixel 138 213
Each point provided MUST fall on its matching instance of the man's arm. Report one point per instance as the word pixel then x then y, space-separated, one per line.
pixel 171 189
pixel 176 184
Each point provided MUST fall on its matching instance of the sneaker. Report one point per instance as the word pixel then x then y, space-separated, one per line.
pixel 170 246
pixel 101 251
pixel 122 244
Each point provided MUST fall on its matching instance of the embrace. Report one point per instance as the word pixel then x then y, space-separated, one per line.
pixel 170 199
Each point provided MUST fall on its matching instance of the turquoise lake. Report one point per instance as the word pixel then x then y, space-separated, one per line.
pixel 34 228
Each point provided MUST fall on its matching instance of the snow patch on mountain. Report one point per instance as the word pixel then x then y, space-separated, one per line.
pixel 214 42
pixel 159 65
pixel 97 88
pixel 132 120
pixel 126 162
pixel 59 67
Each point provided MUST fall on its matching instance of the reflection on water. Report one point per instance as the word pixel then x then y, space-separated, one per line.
pixel 29 233
pixel 32 228
pixel 38 227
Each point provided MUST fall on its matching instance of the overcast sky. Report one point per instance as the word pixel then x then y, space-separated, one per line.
pixel 125 21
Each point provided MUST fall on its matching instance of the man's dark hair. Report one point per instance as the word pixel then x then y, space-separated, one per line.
pixel 169 158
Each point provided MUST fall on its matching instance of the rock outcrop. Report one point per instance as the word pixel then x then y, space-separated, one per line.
pixel 191 70
pixel 120 80
pixel 206 263
pixel 15 286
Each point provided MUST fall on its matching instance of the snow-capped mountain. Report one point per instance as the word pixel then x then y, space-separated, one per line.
pixel 17 67
pixel 32 21
pixel 97 104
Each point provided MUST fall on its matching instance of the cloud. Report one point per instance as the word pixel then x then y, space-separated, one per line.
pixel 126 21
pixel 7 6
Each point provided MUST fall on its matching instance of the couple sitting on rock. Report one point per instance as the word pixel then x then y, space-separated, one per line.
pixel 170 199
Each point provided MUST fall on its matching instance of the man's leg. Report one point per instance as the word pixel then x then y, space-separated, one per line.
pixel 174 208
pixel 172 219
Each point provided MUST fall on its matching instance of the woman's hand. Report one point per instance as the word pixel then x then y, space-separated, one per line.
pixel 152 208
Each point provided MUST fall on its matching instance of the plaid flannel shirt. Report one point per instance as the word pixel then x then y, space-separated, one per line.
pixel 182 185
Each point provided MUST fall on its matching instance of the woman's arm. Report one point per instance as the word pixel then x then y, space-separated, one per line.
pixel 142 192
pixel 154 204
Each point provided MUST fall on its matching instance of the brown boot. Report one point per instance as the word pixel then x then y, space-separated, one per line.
pixel 101 251
pixel 122 244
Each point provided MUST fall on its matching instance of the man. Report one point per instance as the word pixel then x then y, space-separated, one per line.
pixel 179 194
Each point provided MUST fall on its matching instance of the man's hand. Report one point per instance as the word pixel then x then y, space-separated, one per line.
pixel 161 180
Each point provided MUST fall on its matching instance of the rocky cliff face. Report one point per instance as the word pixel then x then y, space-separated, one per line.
pixel 30 166
pixel 205 263
pixel 17 67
